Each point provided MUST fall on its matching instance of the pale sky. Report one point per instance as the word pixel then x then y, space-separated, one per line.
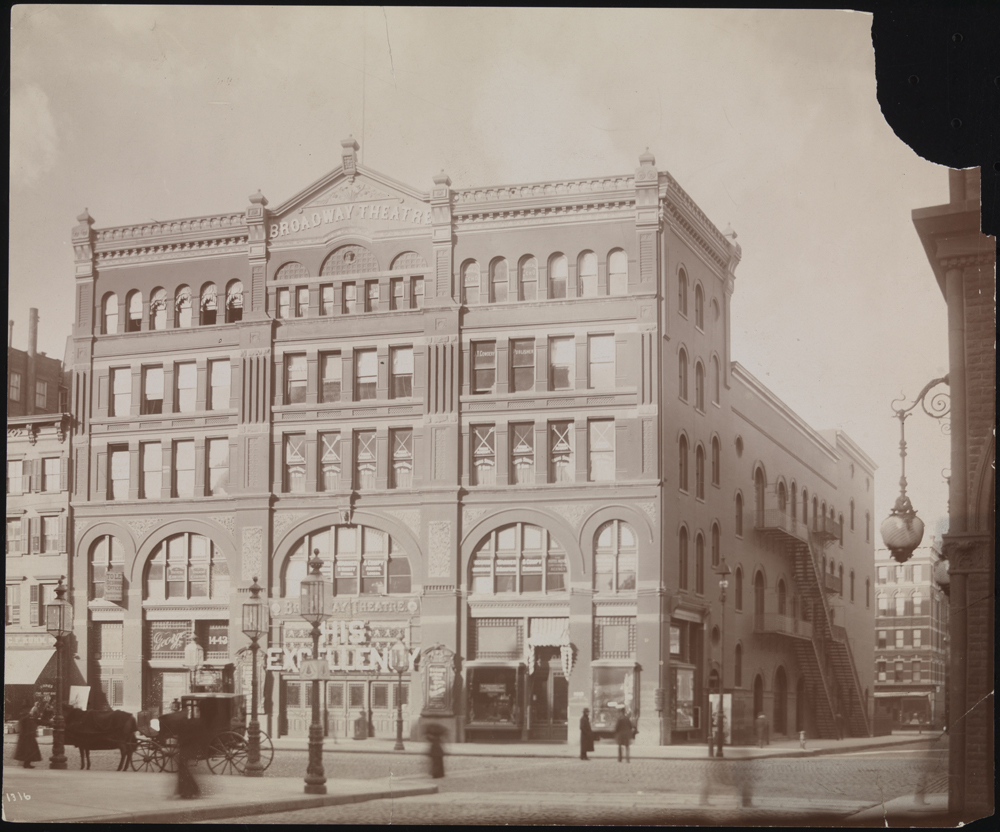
pixel 768 119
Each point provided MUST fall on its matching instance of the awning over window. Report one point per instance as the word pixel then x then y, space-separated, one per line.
pixel 23 667
pixel 550 632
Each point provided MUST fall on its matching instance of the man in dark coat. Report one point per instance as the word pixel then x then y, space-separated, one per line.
pixel 27 751
pixel 623 734
pixel 586 735
pixel 435 750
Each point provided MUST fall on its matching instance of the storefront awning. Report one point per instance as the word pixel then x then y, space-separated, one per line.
pixel 23 667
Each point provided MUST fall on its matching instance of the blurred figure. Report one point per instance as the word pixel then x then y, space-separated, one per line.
pixel 744 773
pixel 27 751
pixel 760 725
pixel 623 734
pixel 586 735
pixel 435 749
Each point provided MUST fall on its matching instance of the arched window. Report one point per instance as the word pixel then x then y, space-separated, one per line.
pixel 739 515
pixel 782 597
pixel 234 301
pixel 805 506
pixel 868 593
pixel 182 307
pixel 918 603
pixel 682 458
pixel 840 574
pixel 794 512
pixel 699 564
pixel 716 380
pixel 852 515
pixel 158 309
pixel 615 555
pixel 780 701
pixel 840 527
pixel 738 667
pixel 682 559
pixel 782 497
pixel 699 385
pixel 498 281
pixel 738 590
pixel 868 527
pixel 682 374
pixel 815 513
pixel 699 472
pixel 109 318
pixel 716 544
pixel 134 302
pixel 699 307
pixel 682 292
pixel 359 560
pixel 209 304
pixel 186 566
pixel 470 283
pixel 558 276
pixel 899 600
pixel 518 558
pixel 716 461
pixel 587 274
pixel 758 597
pixel 617 273
pixel 852 586
pixel 106 554
pixel 758 495
pixel 527 279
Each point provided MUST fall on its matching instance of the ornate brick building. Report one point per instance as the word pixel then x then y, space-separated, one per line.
pixel 507 420
pixel 964 263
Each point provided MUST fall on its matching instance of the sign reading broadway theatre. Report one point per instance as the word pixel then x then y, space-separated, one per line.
pixel 348 204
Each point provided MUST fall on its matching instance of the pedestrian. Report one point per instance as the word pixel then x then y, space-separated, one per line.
pixel 840 726
pixel 27 751
pixel 187 732
pixel 435 750
pixel 586 735
pixel 624 731
pixel 760 724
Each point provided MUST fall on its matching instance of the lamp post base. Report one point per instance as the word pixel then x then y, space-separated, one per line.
pixel 58 758
pixel 254 767
pixel 315 776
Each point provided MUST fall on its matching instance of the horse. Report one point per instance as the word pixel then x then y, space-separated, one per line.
pixel 101 730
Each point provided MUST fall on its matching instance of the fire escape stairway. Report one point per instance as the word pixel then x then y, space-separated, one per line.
pixel 829 641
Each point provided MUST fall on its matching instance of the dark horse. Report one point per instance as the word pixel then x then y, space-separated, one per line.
pixel 101 730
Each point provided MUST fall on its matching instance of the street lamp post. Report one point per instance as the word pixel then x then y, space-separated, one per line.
pixel 902 530
pixel 254 627
pixel 59 624
pixel 723 572
pixel 313 607
pixel 399 660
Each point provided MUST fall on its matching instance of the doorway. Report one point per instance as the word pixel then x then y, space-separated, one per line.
pixel 548 697
pixel 800 704
pixel 758 695
pixel 780 702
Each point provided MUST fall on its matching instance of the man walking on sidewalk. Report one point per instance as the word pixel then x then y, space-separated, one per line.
pixel 623 734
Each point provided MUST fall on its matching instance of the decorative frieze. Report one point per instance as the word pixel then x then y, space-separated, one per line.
pixel 572 512
pixel 160 229
pixel 285 519
pixel 409 517
pixel 142 526
pixel 227 521
pixel 253 548
pixel 168 251
pixel 470 515
pixel 439 549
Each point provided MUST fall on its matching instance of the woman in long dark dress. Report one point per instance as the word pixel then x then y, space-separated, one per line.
pixel 27 751
pixel 586 735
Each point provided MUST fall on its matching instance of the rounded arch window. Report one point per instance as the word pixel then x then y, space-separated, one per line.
pixel 134 302
pixel 739 515
pixel 715 310
pixel 682 292
pixel 716 461
pixel 359 560
pixel 782 497
pixel 699 564
pixel 518 558
pixel 498 281
pixel 182 307
pixel 588 274
pixel 682 374
pixel 209 307
pixel 782 596
pixel 527 278
pixel 716 380
pixel 558 276
pixel 699 385
pixel 109 314
pixel 185 566
pixel 699 472
pixel 349 259
pixel 716 544
pixel 682 558
pixel 699 307
pixel 158 309
pixel 106 554
pixel 470 283
pixel 617 272
pixel 234 301
pixel 615 556
pixel 682 459
pixel 738 590
pixel 739 446
pixel 716 637
pixel 738 667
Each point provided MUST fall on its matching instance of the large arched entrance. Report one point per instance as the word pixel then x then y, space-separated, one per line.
pixel 758 695
pixel 780 702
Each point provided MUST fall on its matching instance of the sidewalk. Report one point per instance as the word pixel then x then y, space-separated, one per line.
pixel 44 795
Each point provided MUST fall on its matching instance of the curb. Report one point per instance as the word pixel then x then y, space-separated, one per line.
pixel 234 810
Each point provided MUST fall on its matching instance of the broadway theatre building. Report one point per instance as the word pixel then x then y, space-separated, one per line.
pixel 506 420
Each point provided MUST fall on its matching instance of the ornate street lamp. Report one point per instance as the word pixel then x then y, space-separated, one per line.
pixel 399 660
pixel 59 624
pixel 313 608
pixel 255 624
pixel 723 571
pixel 194 658
pixel 902 530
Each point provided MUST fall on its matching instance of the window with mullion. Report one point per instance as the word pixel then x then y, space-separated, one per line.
pixel 184 468
pixel 295 463
pixel 615 557
pixel 121 391
pixel 402 372
pixel 365 374
pixel 152 390
pixel 522 365
pixel 601 441
pixel 561 363
pixel 329 461
pixel 561 452
pixel 484 366
pixel 220 375
pixel 186 387
pixel 365 459
pixel 296 379
pixel 522 453
pixel 484 455
pixel 401 440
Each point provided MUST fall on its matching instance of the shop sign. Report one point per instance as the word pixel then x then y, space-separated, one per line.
pixel 113 585
pixel 348 608
pixel 531 566
pixel 347 570
pixel 480 567
pixel 197 573
pixel 439 676
pixel 344 645
pixel 175 573
pixel 218 636
pixel 506 566
pixel 360 659
pixel 168 637
pixel 557 565
pixel 373 569
pixel 492 688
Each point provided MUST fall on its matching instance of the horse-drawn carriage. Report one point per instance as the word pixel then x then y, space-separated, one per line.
pixel 212 725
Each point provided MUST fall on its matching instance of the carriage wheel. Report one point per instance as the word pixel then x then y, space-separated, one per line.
pixel 146 757
pixel 227 754
pixel 167 755
pixel 266 751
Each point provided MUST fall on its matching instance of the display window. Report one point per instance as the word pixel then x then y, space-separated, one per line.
pixel 494 696
pixel 614 688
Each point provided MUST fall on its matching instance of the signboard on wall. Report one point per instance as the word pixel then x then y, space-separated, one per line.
pixel 439 681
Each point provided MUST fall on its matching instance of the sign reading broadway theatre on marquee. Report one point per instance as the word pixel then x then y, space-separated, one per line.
pixel 349 213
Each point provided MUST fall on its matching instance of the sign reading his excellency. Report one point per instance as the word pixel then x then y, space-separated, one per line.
pixel 358 646
pixel 349 203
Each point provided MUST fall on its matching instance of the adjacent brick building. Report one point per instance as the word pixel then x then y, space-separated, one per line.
pixel 964 263
pixel 508 421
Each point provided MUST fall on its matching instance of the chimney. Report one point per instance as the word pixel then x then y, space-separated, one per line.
pixel 32 332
